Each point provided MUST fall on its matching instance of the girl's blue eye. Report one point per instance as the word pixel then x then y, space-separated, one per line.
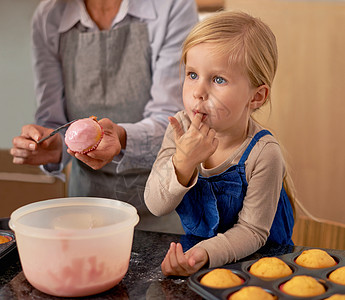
pixel 193 75
pixel 219 80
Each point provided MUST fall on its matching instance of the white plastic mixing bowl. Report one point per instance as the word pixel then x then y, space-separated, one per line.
pixel 74 247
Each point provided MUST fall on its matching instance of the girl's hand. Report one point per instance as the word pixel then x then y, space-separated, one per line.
pixel 178 263
pixel 193 147
pixel 109 146
pixel 25 150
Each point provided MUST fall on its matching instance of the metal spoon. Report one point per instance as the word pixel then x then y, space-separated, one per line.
pixel 55 132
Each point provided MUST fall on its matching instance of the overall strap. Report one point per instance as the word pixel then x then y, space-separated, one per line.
pixel 251 145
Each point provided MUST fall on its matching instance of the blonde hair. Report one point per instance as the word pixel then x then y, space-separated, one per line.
pixel 248 42
pixel 245 39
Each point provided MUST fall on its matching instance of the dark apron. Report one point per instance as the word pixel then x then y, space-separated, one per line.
pixel 107 74
pixel 213 204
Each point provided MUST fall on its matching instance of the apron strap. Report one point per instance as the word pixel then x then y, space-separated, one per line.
pixel 251 145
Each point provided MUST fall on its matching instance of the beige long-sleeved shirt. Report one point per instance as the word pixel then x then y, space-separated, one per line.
pixel 265 168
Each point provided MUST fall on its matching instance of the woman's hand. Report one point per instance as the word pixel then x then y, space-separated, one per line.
pixel 177 263
pixel 114 139
pixel 193 147
pixel 25 150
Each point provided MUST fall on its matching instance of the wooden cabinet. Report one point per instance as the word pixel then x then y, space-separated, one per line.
pixel 209 5
pixel 24 184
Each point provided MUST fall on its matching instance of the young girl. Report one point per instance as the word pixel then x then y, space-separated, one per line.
pixel 220 170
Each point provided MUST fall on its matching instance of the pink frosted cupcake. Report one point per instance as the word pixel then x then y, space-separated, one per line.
pixel 84 135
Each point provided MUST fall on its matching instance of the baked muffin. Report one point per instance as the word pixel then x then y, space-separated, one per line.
pixel 221 278
pixel 303 286
pixel 316 259
pixel 336 297
pixel 270 268
pixel 250 293
pixel 84 135
pixel 3 239
pixel 338 276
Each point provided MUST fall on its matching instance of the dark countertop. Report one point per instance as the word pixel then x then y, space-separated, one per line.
pixel 144 279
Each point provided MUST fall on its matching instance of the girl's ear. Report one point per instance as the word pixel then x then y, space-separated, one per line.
pixel 259 97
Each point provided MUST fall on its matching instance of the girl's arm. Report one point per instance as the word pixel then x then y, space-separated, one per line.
pixel 163 191
pixel 175 169
pixel 193 147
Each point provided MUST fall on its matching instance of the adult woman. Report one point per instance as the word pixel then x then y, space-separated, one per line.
pixel 114 59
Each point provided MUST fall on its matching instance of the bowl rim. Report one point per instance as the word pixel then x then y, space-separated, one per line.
pixel 47 233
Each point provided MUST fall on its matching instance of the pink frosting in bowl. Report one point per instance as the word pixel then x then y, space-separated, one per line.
pixel 84 135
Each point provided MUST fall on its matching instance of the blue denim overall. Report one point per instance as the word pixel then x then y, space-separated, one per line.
pixel 213 204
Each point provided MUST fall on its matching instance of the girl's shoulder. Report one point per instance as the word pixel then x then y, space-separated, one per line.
pixel 255 128
pixel 266 152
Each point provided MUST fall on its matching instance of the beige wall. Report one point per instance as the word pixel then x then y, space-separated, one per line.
pixel 308 103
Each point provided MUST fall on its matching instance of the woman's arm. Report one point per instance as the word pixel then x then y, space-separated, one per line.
pixel 175 18
pixel 48 80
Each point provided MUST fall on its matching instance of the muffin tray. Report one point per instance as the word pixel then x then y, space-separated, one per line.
pixel 272 286
pixel 10 246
